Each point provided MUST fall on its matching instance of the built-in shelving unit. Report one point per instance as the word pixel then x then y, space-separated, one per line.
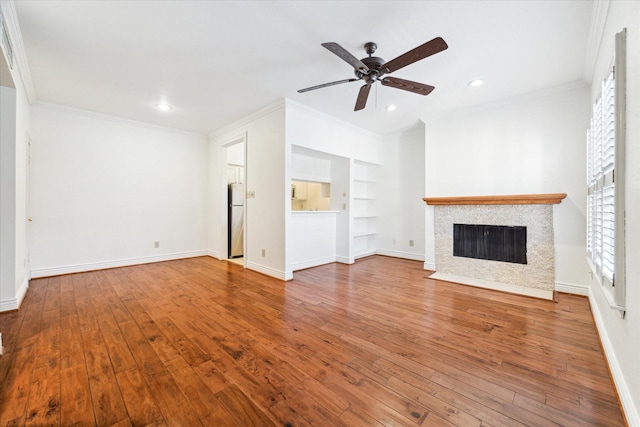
pixel 363 211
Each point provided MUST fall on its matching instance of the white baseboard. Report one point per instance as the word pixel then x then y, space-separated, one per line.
pixel 79 268
pixel 9 304
pixel 14 303
pixel 22 291
pixel 400 254
pixel 313 263
pixel 364 254
pixel 496 286
pixel 429 266
pixel 572 288
pixel 626 399
pixel 278 274
pixel 345 259
pixel 213 254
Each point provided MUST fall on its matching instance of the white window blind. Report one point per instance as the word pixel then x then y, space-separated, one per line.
pixel 601 163
pixel 605 162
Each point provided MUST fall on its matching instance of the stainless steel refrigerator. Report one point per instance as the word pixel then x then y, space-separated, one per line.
pixel 236 220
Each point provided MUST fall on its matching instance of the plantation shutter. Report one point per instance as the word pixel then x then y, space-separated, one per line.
pixel 605 170
pixel 607 161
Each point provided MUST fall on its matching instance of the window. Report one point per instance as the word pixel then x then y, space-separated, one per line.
pixel 605 166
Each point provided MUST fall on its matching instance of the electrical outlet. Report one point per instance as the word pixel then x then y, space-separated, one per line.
pixel 344 206
pixel 410 242
pixel 394 241
pixel 156 244
pixel 264 252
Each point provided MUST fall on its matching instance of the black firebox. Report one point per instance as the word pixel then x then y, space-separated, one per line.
pixel 491 242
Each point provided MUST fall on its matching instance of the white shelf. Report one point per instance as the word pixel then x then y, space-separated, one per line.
pixel 364 209
pixel 365 233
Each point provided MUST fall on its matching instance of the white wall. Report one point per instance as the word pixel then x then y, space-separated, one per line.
pixel 621 337
pixel 104 190
pixel 308 166
pixel 15 116
pixel 313 239
pixel 535 144
pixel 7 198
pixel 400 185
pixel 340 188
pixel 23 125
pixel 314 130
pixel 267 176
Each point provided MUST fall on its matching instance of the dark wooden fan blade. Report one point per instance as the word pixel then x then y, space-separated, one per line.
pixel 361 102
pixel 339 82
pixel 346 56
pixel 415 87
pixel 429 48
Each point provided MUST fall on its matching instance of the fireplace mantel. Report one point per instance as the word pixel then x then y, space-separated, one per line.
pixel 511 199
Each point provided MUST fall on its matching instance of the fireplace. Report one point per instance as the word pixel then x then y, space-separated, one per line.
pixel 490 242
pixel 509 217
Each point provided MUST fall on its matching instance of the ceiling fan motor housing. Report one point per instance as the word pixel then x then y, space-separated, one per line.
pixel 374 64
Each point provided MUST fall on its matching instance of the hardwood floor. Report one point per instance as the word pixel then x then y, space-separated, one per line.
pixel 205 342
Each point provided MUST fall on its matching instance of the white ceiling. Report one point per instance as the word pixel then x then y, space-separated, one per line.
pixel 218 61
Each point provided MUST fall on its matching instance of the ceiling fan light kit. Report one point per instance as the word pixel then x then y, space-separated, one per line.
pixel 372 69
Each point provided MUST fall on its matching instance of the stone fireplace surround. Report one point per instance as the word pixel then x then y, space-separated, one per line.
pixel 534 211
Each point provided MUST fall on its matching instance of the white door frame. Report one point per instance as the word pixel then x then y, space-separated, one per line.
pixel 224 240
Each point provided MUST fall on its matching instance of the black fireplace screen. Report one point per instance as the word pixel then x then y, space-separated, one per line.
pixel 491 242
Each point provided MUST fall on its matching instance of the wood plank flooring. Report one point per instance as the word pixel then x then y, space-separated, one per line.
pixel 205 342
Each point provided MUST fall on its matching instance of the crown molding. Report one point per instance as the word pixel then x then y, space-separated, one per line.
pixel 232 127
pixel 416 129
pixel 599 14
pixel 114 119
pixel 504 102
pixel 324 116
pixel 286 103
pixel 20 58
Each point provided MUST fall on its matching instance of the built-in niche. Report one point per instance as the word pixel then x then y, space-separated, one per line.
pixel 320 223
pixel 310 196
pixel 311 180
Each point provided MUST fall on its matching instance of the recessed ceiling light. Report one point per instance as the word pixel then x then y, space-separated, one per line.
pixel 475 82
pixel 164 107
pixel 391 107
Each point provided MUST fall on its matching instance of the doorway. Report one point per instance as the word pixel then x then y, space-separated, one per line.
pixel 234 196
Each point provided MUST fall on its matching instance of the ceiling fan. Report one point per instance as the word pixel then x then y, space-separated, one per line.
pixel 372 68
